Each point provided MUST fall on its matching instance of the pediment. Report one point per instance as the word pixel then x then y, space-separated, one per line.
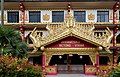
pixel 70 42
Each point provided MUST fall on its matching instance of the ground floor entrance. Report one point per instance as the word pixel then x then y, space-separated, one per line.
pixel 73 63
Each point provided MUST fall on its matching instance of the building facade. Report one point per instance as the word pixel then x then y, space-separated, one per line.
pixel 68 36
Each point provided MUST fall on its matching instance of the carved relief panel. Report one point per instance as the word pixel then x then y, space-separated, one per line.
pixel 91 15
pixel 46 16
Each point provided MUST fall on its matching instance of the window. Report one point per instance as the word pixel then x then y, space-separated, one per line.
pixel 102 16
pixel 13 17
pixel 80 16
pixel 58 16
pixel 34 16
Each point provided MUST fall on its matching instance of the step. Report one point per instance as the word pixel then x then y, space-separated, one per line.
pixel 71 75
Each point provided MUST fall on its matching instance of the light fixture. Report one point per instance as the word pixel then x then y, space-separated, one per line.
pixel 70 55
pixel 60 57
pixel 81 57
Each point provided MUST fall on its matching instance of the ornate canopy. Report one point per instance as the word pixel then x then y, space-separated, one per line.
pixel 71 28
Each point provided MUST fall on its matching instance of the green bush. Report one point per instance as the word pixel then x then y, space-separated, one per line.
pixel 115 72
pixel 14 67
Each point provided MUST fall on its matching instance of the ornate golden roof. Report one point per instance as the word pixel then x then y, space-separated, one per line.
pixel 71 28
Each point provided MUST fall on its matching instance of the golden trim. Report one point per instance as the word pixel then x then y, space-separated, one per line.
pixel 71 28
pixel 92 52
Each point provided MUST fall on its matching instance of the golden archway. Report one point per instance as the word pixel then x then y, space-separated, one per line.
pixel 92 52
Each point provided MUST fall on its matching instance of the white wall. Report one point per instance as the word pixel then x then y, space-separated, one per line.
pixel 46 15
pixel 91 15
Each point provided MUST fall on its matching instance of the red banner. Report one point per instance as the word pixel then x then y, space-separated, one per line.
pixel 70 42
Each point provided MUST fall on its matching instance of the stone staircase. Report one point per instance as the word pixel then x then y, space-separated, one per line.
pixel 71 75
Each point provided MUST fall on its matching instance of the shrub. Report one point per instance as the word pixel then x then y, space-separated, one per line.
pixel 14 67
pixel 115 72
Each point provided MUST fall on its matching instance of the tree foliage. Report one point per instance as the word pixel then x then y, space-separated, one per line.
pixel 115 72
pixel 14 67
pixel 11 43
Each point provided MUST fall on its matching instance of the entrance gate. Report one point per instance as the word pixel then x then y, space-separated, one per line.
pixel 71 69
pixel 70 63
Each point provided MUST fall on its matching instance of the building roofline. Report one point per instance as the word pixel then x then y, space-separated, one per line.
pixel 59 5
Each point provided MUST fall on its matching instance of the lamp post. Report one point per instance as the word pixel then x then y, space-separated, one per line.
pixel 115 8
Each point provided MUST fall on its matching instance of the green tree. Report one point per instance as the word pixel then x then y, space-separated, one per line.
pixel 115 72
pixel 11 43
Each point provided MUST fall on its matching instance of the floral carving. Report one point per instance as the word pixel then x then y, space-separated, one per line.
pixel 46 17
pixel 91 16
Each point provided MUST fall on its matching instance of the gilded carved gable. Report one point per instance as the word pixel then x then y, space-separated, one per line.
pixel 72 28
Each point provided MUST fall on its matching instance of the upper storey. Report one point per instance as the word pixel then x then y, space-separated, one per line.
pixel 42 12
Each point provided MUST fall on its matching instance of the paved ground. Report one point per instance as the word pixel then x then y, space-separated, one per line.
pixel 70 75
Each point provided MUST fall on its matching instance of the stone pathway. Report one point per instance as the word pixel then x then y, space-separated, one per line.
pixel 70 75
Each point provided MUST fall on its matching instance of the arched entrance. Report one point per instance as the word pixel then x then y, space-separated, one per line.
pixel 73 63
pixel 73 59
pixel 70 60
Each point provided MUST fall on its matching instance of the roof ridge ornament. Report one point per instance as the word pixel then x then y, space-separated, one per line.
pixel 69 20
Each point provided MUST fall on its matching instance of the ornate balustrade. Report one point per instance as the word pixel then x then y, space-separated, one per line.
pixel 51 70
pixel 90 69
pixel 104 70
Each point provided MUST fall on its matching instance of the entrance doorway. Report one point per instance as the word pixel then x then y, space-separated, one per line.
pixel 70 63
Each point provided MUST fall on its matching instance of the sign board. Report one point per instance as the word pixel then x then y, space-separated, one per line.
pixel 70 42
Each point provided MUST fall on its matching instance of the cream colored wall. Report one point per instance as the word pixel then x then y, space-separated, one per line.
pixel 91 16
pixel 48 14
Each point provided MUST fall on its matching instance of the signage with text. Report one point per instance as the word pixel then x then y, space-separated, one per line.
pixel 70 42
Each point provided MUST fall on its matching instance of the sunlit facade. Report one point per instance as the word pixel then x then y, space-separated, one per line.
pixel 68 36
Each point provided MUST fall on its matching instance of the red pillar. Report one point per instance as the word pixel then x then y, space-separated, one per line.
pixel 43 60
pixel 43 63
pixel 97 59
pixel 97 63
